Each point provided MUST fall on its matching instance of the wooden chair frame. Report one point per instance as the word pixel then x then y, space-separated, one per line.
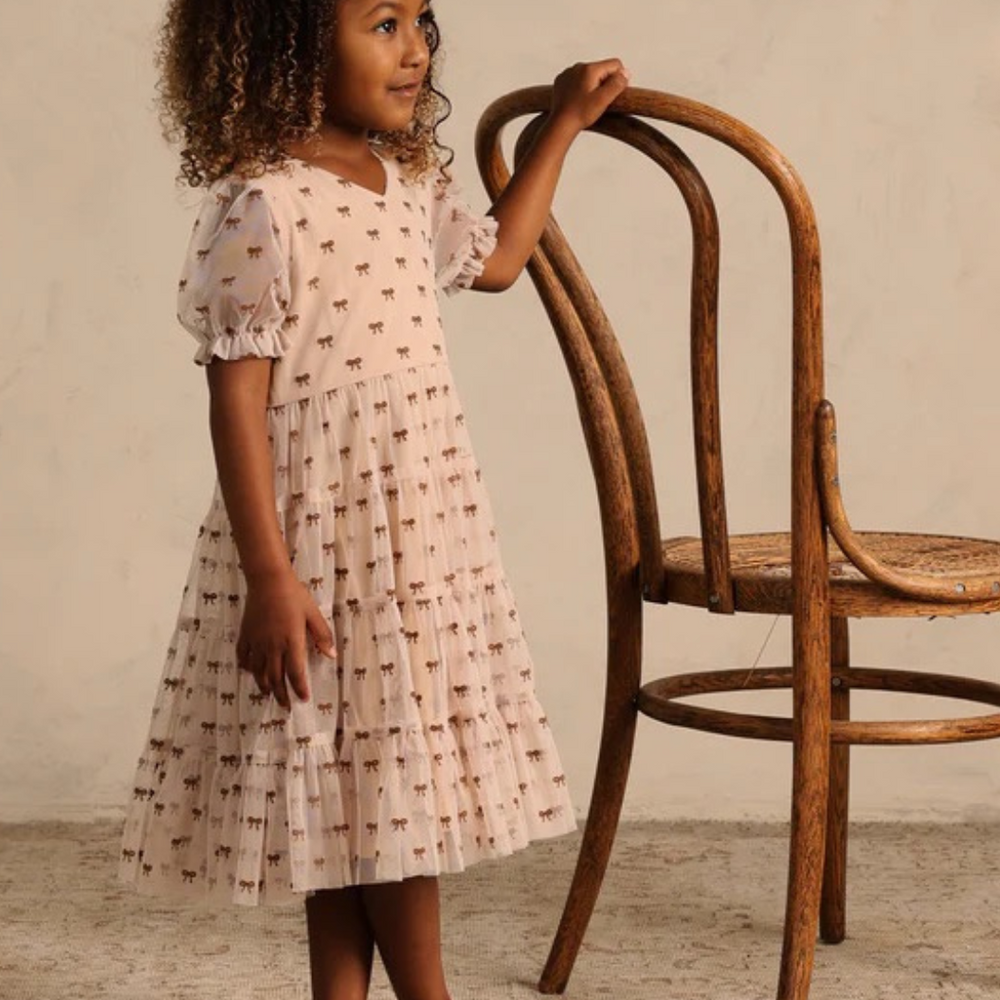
pixel 641 567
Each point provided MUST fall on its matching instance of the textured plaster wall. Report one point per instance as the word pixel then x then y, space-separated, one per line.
pixel 891 112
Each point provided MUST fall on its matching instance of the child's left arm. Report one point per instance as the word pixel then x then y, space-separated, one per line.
pixel 581 94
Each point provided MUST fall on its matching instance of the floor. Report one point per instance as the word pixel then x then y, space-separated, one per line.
pixel 688 911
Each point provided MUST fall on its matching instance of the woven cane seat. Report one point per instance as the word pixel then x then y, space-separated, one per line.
pixel 762 573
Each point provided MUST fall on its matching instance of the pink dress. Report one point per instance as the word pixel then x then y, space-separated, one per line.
pixel 423 748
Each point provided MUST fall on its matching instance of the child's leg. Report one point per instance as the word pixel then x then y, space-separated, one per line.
pixel 341 944
pixel 405 917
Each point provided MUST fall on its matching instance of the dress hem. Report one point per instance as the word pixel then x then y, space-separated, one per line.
pixel 214 899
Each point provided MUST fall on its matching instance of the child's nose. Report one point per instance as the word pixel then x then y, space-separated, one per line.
pixel 416 52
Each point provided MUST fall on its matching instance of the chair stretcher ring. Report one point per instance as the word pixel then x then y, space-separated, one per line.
pixel 658 699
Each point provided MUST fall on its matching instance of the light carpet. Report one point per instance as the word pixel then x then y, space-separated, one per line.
pixel 688 911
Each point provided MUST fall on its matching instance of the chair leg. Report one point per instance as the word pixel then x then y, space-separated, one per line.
pixel 810 791
pixel 614 758
pixel 833 906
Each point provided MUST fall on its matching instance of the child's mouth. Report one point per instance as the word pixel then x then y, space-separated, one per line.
pixel 409 90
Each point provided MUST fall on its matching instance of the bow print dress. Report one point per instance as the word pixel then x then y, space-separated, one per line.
pixel 423 747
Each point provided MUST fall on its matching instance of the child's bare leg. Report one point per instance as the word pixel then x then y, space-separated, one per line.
pixel 405 917
pixel 341 944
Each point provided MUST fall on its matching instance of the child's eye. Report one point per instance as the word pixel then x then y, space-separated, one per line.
pixel 427 23
pixel 390 25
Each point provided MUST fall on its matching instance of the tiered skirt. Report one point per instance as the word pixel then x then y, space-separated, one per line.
pixel 423 747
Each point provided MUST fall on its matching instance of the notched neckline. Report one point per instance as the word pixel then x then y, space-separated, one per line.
pixel 313 168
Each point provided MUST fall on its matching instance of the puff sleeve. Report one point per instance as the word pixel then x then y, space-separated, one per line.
pixel 234 289
pixel 462 240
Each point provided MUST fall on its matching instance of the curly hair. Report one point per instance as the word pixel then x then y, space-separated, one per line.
pixel 242 79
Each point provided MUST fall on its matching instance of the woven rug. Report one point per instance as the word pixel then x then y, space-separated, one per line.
pixel 688 911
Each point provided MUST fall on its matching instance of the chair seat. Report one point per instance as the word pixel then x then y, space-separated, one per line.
pixel 762 573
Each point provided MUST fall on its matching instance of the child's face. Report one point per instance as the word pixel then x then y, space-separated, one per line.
pixel 379 59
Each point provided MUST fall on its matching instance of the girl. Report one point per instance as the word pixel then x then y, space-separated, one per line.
pixel 348 564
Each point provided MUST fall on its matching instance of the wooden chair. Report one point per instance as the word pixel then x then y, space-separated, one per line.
pixel 821 574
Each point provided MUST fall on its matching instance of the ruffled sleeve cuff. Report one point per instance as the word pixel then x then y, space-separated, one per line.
pixel 263 343
pixel 467 260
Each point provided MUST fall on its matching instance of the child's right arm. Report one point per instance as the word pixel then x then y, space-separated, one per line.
pixel 279 610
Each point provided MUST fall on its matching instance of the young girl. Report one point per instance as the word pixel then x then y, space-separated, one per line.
pixel 347 708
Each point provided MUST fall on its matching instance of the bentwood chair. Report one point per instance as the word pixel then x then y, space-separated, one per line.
pixel 821 573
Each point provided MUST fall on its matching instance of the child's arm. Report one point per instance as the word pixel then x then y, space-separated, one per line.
pixel 278 610
pixel 581 94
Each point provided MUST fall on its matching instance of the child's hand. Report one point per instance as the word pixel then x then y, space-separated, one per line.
pixel 272 643
pixel 582 93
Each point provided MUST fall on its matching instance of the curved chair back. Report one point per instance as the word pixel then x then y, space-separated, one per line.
pixel 609 407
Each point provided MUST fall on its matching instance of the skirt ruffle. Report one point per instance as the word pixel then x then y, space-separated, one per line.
pixel 422 748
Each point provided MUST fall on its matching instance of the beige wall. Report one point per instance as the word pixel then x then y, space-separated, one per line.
pixel 891 112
